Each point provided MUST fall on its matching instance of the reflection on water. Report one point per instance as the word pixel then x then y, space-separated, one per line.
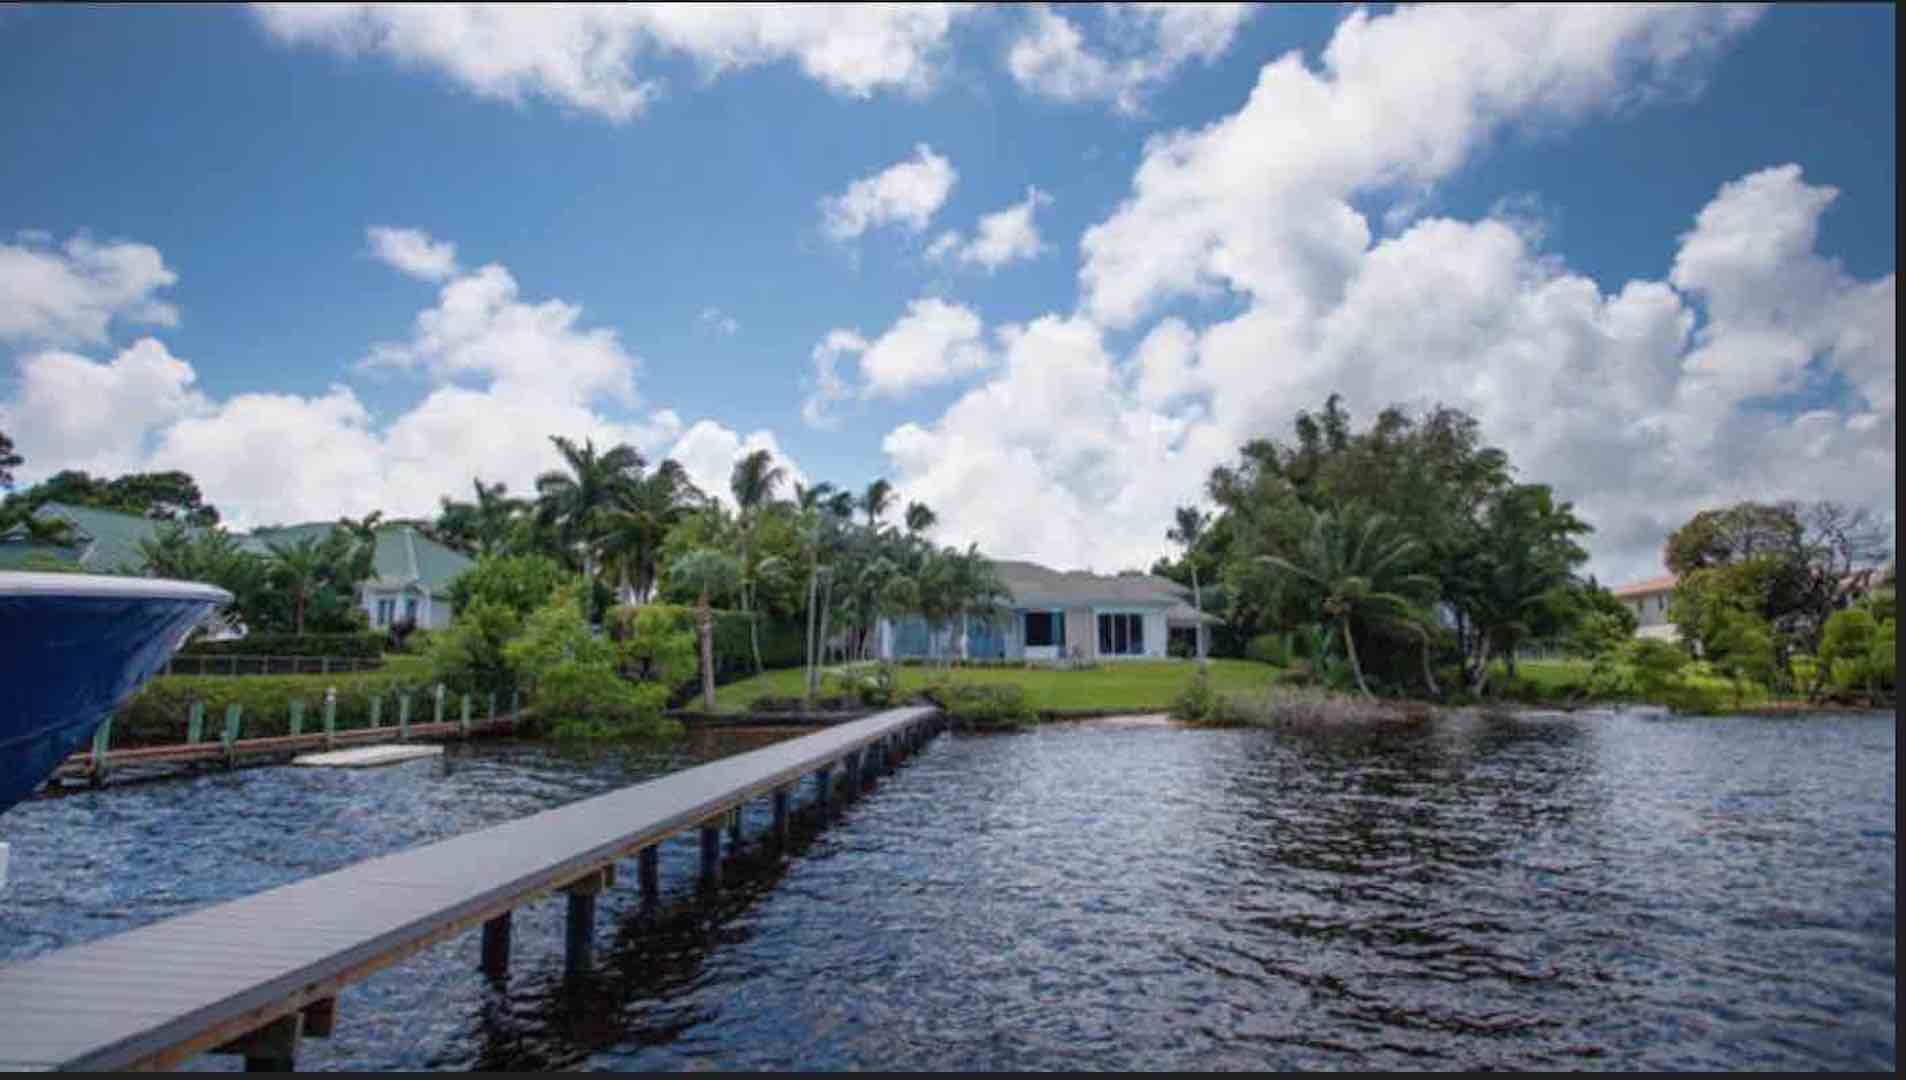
pixel 1609 891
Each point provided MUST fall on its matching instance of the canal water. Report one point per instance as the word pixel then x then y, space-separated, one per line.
pixel 1600 890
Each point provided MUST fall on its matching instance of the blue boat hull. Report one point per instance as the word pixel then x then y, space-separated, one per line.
pixel 72 649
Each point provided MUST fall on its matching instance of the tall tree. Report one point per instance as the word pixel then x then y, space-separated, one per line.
pixel 574 498
pixel 920 518
pixel 638 521
pixel 753 482
pixel 708 574
pixel 300 567
pixel 1358 573
pixel 876 501
pixel 1187 530
pixel 9 461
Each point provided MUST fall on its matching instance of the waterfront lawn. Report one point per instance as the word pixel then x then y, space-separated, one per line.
pixel 1547 678
pixel 1127 685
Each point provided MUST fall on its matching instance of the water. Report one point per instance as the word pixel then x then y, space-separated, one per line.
pixel 1598 890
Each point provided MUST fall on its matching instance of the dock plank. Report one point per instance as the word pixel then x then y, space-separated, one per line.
pixel 223 970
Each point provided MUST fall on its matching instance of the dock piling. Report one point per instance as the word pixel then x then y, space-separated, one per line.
pixel 403 716
pixel 711 856
pixel 649 874
pixel 229 740
pixel 297 716
pixel 782 799
pixel 195 722
pixel 823 784
pixel 100 739
pixel 496 946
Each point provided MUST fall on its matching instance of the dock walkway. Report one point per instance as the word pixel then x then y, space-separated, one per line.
pixel 253 975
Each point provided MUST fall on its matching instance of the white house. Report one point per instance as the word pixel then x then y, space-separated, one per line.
pixel 1649 601
pixel 1054 615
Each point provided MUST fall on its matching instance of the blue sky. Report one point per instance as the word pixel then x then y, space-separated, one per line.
pixel 251 151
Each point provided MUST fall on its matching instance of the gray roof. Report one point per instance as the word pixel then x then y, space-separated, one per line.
pixel 1033 585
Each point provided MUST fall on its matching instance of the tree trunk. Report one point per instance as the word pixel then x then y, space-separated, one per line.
pixel 1509 658
pixel 827 605
pixel 705 623
pixel 1356 668
pixel 1429 676
pixel 1479 674
pixel 807 675
pixel 298 599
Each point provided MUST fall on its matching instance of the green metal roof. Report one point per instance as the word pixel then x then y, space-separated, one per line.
pixel 405 557
pixel 108 540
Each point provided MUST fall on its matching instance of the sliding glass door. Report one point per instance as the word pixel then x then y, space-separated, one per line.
pixel 1121 635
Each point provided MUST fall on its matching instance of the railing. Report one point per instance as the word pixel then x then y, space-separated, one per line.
pixel 237 664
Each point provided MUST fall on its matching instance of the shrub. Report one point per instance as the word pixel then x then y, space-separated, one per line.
pixel 520 583
pixel 772 703
pixel 353 645
pixel 872 685
pixel 1299 673
pixel 657 645
pixel 591 701
pixel 783 645
pixel 469 655
pixel 983 706
pixel 1198 703
pixel 1274 649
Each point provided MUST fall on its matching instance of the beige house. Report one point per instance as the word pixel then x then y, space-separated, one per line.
pixel 1649 601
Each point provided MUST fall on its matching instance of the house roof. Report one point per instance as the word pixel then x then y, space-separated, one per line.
pixel 1032 584
pixel 1643 588
pixel 109 540
pixel 404 556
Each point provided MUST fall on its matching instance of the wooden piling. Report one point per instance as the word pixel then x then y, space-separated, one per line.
pixel 782 800
pixel 229 739
pixel 496 947
pixel 649 873
pixel 100 739
pixel 711 856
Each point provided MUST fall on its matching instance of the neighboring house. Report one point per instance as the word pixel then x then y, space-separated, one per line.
pixel 1055 615
pixel 106 541
pixel 410 578
pixel 1649 601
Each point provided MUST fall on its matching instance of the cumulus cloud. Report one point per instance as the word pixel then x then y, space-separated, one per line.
pixel 907 193
pixel 72 293
pixel 933 342
pixel 1642 403
pixel 413 252
pixel 708 453
pixel 1146 44
pixel 503 374
pixel 1004 236
pixel 589 56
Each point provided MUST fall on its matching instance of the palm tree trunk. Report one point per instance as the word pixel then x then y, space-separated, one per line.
pixel 1197 603
pixel 298 615
pixel 1479 674
pixel 705 624
pixel 1356 668
pixel 807 674
pixel 827 606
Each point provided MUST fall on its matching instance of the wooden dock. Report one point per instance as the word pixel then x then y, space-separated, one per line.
pixel 253 976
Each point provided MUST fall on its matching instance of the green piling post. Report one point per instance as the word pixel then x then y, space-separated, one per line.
pixel 463 723
pixel 492 708
pixel 403 717
pixel 330 717
pixel 515 705
pixel 100 739
pixel 229 740
pixel 297 716
pixel 377 710
pixel 439 713
pixel 195 722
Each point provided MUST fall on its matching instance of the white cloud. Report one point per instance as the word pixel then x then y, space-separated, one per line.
pixel 1051 58
pixel 719 321
pixel 1259 202
pixel 588 56
pixel 933 342
pixel 708 452
pixel 72 293
pixel 1643 404
pixel 1004 236
pixel 413 252
pixel 907 193
pixel 504 374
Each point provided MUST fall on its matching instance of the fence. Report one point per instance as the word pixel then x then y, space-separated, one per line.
pixel 234 664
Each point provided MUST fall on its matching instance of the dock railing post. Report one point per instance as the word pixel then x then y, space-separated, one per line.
pixel 463 721
pixel 377 710
pixel 330 717
pixel 439 714
pixel 297 716
pixel 233 713
pixel 100 739
pixel 195 722
pixel 403 717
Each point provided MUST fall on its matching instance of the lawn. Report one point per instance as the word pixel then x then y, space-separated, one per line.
pixel 1135 685
pixel 1546 676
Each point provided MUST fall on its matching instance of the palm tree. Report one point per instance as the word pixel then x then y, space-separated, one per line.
pixel 49 531
pixel 876 501
pixel 976 588
pixel 633 528
pixel 1190 527
pixel 753 482
pixel 301 565
pixel 1359 576
pixel 920 518
pixel 574 501
pixel 363 538
pixel 708 574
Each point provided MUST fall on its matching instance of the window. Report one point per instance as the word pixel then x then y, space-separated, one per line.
pixel 1039 629
pixel 386 609
pixel 1121 635
pixel 410 608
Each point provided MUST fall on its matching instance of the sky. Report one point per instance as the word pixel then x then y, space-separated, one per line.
pixel 1042 268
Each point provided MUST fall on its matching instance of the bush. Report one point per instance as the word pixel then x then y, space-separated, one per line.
pixel 1198 703
pixel 521 583
pixel 874 686
pixel 983 706
pixel 1273 649
pixel 1299 673
pixel 593 702
pixel 469 655
pixel 783 644
pixel 353 645
pixel 656 646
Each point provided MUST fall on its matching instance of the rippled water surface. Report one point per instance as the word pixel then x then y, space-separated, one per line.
pixel 1596 890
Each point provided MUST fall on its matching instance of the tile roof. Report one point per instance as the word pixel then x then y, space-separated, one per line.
pixel 1642 588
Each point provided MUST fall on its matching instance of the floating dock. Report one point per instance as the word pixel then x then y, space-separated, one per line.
pixel 365 757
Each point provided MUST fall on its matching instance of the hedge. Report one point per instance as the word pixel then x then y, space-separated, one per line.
pixel 361 644
pixel 158 714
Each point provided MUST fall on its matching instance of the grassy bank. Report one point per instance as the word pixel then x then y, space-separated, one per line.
pixel 1133 685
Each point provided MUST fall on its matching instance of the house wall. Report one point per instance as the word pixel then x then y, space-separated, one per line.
pixel 432 614
pixel 1651 609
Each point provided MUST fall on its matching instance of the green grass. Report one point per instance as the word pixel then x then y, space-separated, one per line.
pixel 1545 676
pixel 1136 685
